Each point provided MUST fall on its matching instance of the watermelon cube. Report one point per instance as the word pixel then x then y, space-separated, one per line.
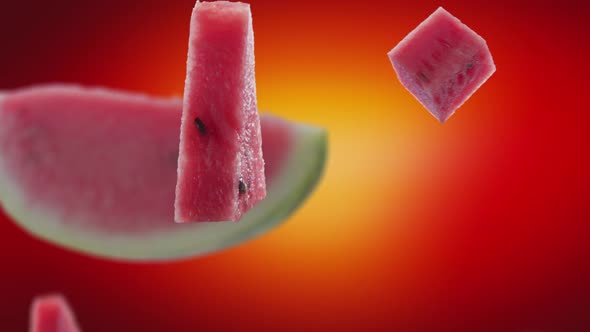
pixel 442 63
pixel 220 165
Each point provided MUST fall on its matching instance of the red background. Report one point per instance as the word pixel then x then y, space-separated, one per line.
pixel 480 224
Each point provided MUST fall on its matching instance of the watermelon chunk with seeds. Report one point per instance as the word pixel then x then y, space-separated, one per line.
pixel 442 63
pixel 51 313
pixel 94 170
pixel 220 166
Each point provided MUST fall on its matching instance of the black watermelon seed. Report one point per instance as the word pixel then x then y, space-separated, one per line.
pixel 242 187
pixel 423 77
pixel 469 66
pixel 201 126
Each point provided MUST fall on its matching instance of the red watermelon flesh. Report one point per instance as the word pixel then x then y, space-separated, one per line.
pixel 278 138
pixel 442 63
pixel 51 313
pixel 98 176
pixel 220 166
pixel 101 176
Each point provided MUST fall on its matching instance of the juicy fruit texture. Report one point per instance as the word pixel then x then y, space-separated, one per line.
pixel 279 138
pixel 95 170
pixel 102 159
pixel 51 313
pixel 220 166
pixel 442 63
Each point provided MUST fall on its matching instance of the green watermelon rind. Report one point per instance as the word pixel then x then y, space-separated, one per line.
pixel 287 191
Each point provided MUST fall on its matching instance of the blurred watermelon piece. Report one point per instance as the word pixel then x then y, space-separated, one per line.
pixel 95 170
pixel 51 313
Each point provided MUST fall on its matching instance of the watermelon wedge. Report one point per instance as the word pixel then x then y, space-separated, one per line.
pixel 51 313
pixel 220 166
pixel 442 63
pixel 94 170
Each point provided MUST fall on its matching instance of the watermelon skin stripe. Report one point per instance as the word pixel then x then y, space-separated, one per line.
pixel 299 175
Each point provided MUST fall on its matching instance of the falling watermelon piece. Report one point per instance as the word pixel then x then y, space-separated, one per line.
pixel 94 170
pixel 442 63
pixel 220 166
pixel 51 313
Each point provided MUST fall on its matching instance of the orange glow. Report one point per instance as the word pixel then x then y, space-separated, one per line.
pixel 479 224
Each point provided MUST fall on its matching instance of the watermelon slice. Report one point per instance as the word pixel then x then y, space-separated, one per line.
pixel 51 313
pixel 95 170
pixel 442 63
pixel 220 165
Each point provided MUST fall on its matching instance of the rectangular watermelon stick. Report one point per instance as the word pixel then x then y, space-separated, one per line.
pixel 220 165
pixel 442 63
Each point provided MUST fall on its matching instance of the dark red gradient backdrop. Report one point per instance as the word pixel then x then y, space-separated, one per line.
pixel 480 224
